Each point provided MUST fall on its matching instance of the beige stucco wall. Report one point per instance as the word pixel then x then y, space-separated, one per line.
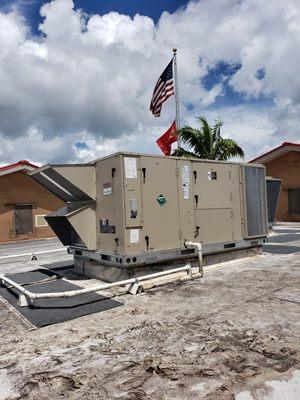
pixel 18 188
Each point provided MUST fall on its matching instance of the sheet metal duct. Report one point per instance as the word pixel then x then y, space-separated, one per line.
pixel 69 182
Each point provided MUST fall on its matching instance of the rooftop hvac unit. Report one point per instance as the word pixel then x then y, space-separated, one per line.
pixel 132 209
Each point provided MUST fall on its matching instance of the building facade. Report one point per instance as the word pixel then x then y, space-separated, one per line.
pixel 23 204
pixel 283 162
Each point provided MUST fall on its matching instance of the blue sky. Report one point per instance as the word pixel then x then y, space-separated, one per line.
pixel 151 8
pixel 222 72
pixel 79 86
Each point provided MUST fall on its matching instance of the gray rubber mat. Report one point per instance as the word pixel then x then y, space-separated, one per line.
pixel 277 249
pixel 53 311
pixel 289 237
pixel 280 231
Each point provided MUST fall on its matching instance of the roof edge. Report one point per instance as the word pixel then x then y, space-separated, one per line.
pixel 22 165
pixel 276 149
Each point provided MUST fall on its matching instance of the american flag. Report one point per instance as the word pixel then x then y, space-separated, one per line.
pixel 164 88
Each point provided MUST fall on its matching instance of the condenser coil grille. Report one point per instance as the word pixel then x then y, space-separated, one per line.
pixel 256 208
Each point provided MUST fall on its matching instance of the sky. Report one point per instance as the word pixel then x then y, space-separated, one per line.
pixel 76 77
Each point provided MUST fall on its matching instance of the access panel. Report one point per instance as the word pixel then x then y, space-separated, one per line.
pixel 160 203
pixel 109 225
pixel 212 185
pixel 215 225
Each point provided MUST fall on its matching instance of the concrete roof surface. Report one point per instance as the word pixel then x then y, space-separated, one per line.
pixel 234 334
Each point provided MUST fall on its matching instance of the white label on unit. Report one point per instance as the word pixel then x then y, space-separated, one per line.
pixel 107 189
pixel 185 176
pixel 130 167
pixel 185 173
pixel 186 192
pixel 134 235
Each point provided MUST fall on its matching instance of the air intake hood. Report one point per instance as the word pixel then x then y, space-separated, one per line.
pixel 69 182
pixel 75 224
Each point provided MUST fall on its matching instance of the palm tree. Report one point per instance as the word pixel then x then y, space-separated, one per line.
pixel 207 142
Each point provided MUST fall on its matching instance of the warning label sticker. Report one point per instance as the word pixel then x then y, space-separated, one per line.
pixel 185 177
pixel 134 235
pixel 130 167
pixel 107 189
pixel 186 192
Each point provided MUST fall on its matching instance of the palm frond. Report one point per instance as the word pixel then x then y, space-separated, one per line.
pixel 193 138
pixel 228 148
pixel 217 128
pixel 207 142
pixel 180 152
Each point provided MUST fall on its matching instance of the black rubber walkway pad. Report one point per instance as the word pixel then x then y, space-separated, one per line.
pixel 25 278
pixel 37 275
pixel 53 311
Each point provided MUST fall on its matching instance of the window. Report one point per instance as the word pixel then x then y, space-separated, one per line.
pixel 40 221
pixel 294 201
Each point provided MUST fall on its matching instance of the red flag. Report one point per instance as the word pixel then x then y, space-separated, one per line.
pixel 165 141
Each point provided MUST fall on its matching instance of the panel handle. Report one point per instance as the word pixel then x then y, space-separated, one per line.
pixel 195 177
pixel 144 174
pixel 147 242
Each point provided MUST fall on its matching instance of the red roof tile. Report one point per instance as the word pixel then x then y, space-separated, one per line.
pixel 18 164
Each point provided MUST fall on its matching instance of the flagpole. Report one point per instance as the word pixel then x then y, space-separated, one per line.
pixel 177 113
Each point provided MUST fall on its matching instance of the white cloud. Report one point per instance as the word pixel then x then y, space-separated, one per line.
pixel 275 46
pixel 89 78
pixel 73 147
